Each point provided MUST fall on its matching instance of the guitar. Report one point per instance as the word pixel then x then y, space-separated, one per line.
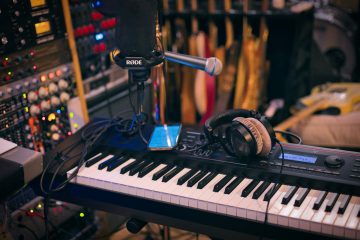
pixel 188 110
pixel 341 96
pixel 251 94
pixel 225 86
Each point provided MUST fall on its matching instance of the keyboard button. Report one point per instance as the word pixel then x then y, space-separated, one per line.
pixel 206 180
pixel 332 200
pixel 130 166
pixel 233 185
pixel 162 172
pixel 148 169
pixel 172 173
pixel 196 178
pixel 288 196
pixel 187 176
pixel 140 167
pixel 319 201
pixel 222 183
pixel 344 204
pixel 260 190
pixel 271 192
pixel 301 197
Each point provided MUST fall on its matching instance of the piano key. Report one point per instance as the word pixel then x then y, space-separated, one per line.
pixel 249 188
pixel 233 185
pixel 162 172
pixel 222 183
pixel 283 215
pixel 172 173
pixel 209 196
pixel 320 199
pixel 187 176
pixel 301 197
pixel 295 215
pixel 151 185
pixel 306 216
pixel 94 160
pixel 277 206
pixel 256 208
pixel 344 204
pixel 117 163
pixel 352 222
pixel 206 180
pixel 259 191
pixel 196 178
pixel 339 227
pixel 288 196
pixel 148 169
pixel 271 192
pixel 319 216
pixel 140 167
pixel 332 201
pixel 329 219
pixel 102 159
pixel 130 166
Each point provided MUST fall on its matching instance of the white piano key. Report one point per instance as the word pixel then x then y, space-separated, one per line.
pixel 352 224
pixel 305 218
pixel 177 189
pixel 277 206
pixel 319 215
pixel 329 219
pixel 207 192
pixel 283 215
pixel 216 199
pixel 339 226
pixel 294 220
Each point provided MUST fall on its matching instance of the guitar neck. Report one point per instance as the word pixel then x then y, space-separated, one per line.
pixel 296 118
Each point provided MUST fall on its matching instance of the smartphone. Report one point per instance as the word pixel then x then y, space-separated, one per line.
pixel 164 137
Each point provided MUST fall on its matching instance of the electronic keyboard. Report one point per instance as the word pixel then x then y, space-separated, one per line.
pixel 317 192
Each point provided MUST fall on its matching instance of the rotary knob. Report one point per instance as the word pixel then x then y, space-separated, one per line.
pixel 55 137
pixel 45 106
pixel 32 97
pixel 53 88
pixel 334 162
pixel 34 110
pixel 55 101
pixel 43 92
pixel 64 97
pixel 63 85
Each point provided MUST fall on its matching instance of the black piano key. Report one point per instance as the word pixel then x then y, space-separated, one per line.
pixel 260 190
pixel 172 173
pixel 206 180
pixel 148 169
pixel 234 183
pixel 301 197
pixel 139 167
pixel 93 161
pixel 107 162
pixel 196 178
pixel 117 163
pixel 358 214
pixel 162 172
pixel 320 199
pixel 130 166
pixel 272 192
pixel 222 183
pixel 187 176
pixel 330 205
pixel 344 204
pixel 288 196
pixel 247 190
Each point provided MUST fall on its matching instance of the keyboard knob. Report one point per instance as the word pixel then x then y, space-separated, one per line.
pixel 34 110
pixel 64 97
pixel 134 225
pixel 53 88
pixel 334 162
pixel 63 85
pixel 43 92
pixel 32 97
pixel 55 101
pixel 45 106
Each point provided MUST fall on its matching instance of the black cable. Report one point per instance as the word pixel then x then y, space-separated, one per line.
pixel 46 217
pixel 297 137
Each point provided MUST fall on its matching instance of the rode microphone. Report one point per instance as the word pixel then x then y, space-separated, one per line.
pixel 135 37
pixel 212 66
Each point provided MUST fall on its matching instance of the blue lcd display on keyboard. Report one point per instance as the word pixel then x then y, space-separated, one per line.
pixel 164 137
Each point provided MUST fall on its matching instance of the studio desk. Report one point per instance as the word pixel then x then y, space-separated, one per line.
pixel 317 196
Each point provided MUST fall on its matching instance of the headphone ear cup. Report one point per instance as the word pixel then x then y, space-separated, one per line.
pixel 242 142
pixel 226 143
pixel 265 137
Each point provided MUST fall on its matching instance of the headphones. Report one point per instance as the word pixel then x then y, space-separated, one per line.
pixel 242 133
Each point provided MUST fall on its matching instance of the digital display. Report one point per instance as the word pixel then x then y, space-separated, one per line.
pixel 164 137
pixel 37 3
pixel 42 27
pixel 298 158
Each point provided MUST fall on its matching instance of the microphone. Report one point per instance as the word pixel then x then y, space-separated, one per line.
pixel 212 66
